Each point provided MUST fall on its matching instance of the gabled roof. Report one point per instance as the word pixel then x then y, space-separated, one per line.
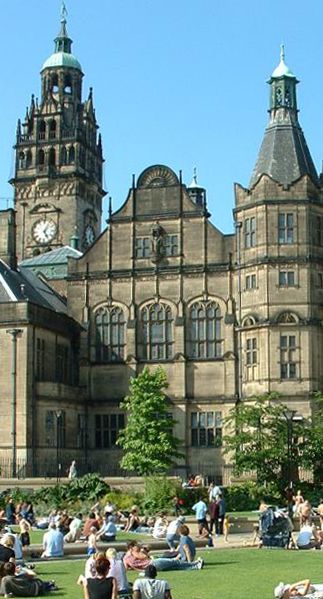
pixel 23 285
pixel 58 256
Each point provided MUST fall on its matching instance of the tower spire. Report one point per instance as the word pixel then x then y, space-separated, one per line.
pixel 63 42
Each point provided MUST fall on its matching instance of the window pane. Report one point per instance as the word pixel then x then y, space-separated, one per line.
pixel 202 432
pixel 210 437
pixel 283 341
pixel 194 437
pixel 194 420
pixel 210 419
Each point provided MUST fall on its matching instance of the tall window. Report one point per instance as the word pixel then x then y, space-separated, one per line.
pixel 110 334
pixel 286 227
pixel 206 429
pixel 107 428
pixel 52 129
pixel 319 230
pixel 143 247
pixel 250 282
pixel 286 278
pixel 251 351
pixel 62 364
pixel 205 330
pixel 40 359
pixel 55 428
pixel 171 245
pixel 157 332
pixel 287 357
pixel 81 431
pixel 250 232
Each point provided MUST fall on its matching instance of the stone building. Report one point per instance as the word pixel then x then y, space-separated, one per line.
pixel 227 316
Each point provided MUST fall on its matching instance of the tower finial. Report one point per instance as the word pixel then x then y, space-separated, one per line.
pixel 63 42
pixel 282 53
pixel 64 12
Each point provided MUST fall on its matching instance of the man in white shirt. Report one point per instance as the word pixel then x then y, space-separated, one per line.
pixel 150 587
pixel 172 533
pixel 53 542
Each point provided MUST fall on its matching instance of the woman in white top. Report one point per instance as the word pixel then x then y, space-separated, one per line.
pixel 302 588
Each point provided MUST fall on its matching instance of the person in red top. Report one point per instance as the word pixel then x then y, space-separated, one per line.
pixel 89 522
pixel 136 558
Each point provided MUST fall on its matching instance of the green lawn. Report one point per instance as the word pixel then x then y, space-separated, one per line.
pixel 228 574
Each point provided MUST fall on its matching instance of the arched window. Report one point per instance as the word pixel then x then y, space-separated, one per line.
pixel 71 155
pixel 22 159
pixel 64 155
pixel 110 334
pixel 41 158
pixel 67 85
pixel 52 129
pixel 42 130
pixel 157 332
pixel 204 334
pixel 29 159
pixel 52 157
pixel 54 83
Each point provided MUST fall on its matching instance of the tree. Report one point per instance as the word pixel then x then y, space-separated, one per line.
pixel 147 440
pixel 265 439
pixel 311 447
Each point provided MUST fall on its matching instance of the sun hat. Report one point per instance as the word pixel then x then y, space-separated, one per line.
pixel 280 590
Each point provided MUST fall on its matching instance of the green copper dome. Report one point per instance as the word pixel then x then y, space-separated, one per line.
pixel 62 59
pixel 282 70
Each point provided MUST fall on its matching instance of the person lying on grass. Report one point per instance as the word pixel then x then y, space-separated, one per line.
pixel 302 588
pixel 22 584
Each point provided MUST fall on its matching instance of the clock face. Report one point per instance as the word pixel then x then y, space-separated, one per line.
pixel 89 234
pixel 44 230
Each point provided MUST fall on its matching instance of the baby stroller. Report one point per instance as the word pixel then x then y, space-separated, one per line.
pixel 275 528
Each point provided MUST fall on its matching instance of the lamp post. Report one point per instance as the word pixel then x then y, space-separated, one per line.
pixel 289 416
pixel 58 414
pixel 15 333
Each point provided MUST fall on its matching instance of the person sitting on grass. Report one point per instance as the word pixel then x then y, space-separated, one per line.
pixel 102 586
pixel 136 557
pixel 7 553
pixel 53 542
pixel 150 587
pixel 302 588
pixel 75 529
pixel 308 538
pixel 108 530
pixel 133 521
pixel 23 584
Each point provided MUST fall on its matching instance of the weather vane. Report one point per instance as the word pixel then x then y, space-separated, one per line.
pixel 64 12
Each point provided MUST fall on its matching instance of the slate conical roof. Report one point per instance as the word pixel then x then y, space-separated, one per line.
pixel 284 154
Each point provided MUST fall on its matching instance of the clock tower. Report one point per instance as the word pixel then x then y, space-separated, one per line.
pixel 58 160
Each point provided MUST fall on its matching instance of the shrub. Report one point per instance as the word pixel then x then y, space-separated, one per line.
pixel 158 494
pixel 122 500
pixel 86 488
pixel 247 496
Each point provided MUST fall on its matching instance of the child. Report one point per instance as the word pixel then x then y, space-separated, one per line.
pixel 91 542
pixel 25 527
pixel 226 528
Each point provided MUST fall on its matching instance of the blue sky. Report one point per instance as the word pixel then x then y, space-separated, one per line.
pixel 180 82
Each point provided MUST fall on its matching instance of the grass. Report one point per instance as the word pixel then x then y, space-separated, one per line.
pixel 228 574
